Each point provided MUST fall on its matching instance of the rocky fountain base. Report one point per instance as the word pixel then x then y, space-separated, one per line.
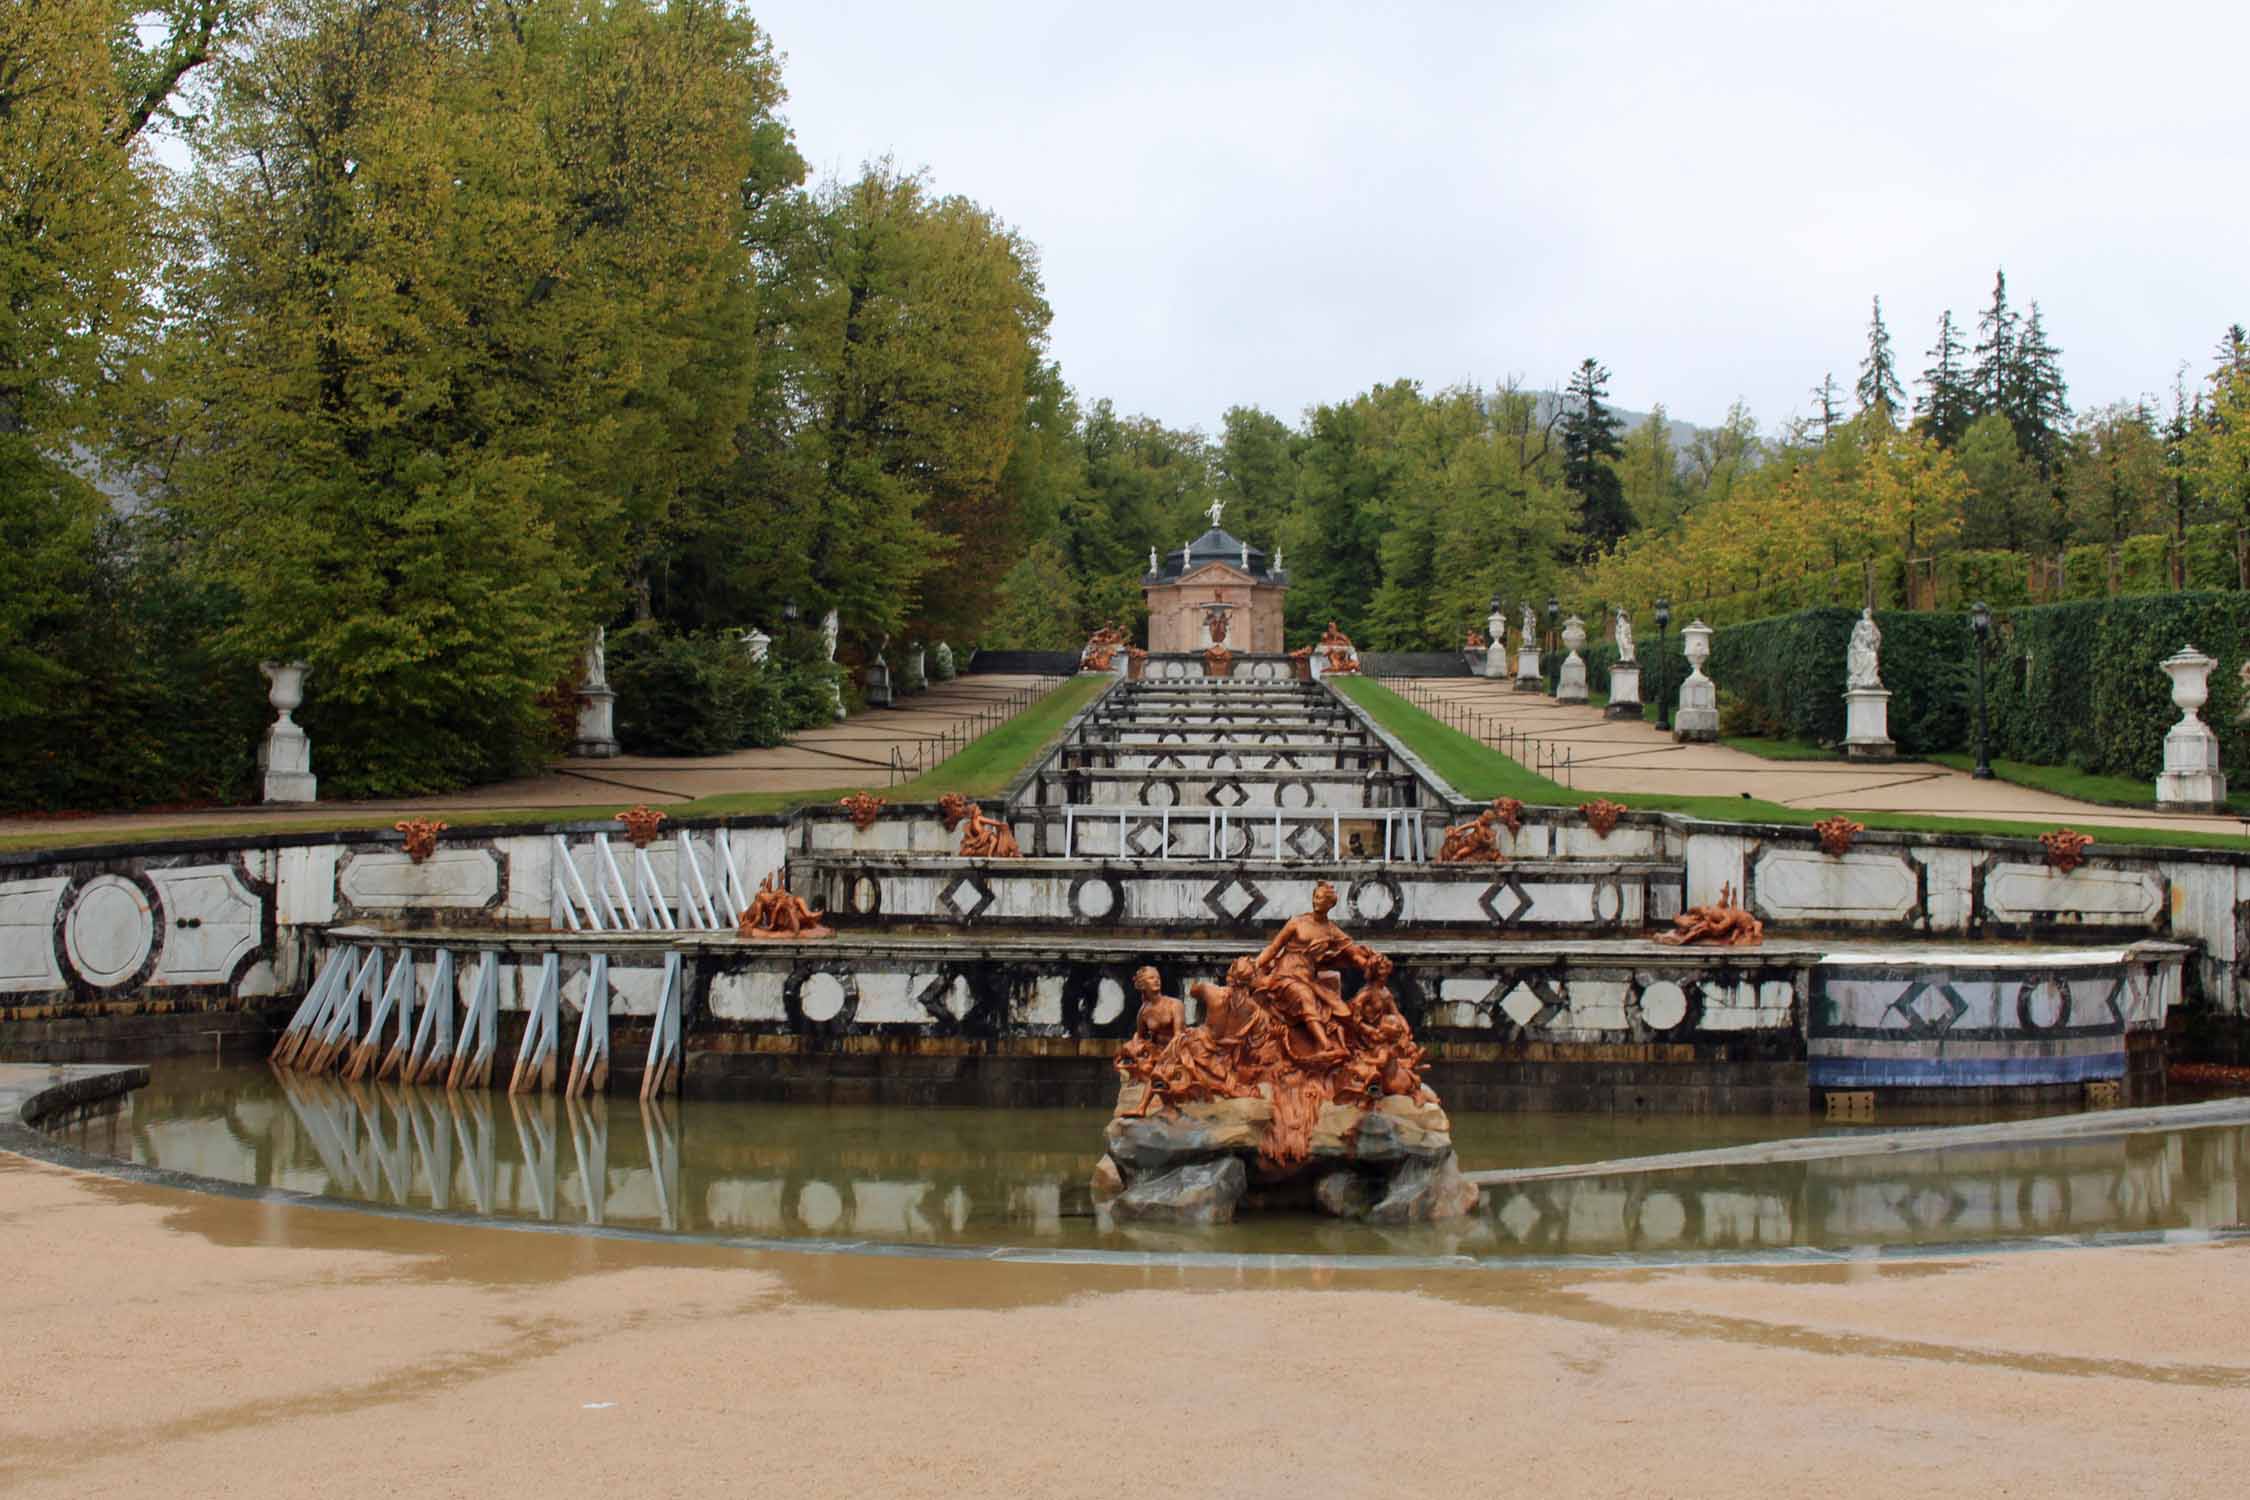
pixel 1289 1095
pixel 1198 1163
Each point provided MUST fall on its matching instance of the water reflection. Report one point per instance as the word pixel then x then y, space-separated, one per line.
pixel 1019 1177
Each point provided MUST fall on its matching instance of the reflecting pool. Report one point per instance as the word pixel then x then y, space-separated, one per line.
pixel 1018 1177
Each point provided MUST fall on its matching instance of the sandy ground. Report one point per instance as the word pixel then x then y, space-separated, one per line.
pixel 161 1342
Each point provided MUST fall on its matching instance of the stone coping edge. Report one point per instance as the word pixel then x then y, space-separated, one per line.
pixel 26 1099
pixel 2094 1125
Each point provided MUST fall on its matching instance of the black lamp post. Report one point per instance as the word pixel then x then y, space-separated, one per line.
pixel 1663 665
pixel 1980 621
pixel 1554 612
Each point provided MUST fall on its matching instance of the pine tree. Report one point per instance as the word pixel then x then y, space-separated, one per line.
pixel 1828 407
pixel 1995 351
pixel 1948 404
pixel 2232 356
pixel 1878 373
pixel 1589 432
pixel 2039 404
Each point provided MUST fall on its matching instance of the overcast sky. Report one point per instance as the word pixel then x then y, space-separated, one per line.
pixel 1284 204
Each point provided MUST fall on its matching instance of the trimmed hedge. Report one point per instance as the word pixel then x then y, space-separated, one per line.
pixel 2066 684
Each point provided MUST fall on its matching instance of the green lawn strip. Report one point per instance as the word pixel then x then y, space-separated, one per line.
pixel 1766 749
pixel 980 768
pixel 984 766
pixel 2082 786
pixel 1479 772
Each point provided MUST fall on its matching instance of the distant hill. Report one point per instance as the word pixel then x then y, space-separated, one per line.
pixel 1681 433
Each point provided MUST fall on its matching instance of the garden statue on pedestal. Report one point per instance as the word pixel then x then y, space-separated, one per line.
pixel 1496 642
pixel 829 630
pixel 1527 654
pixel 1297 1090
pixel 878 680
pixel 597 704
pixel 1625 676
pixel 1867 705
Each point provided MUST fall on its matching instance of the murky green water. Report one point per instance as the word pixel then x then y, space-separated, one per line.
pixel 991 1177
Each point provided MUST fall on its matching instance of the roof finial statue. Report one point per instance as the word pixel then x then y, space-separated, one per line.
pixel 1152 563
pixel 1245 557
pixel 1218 506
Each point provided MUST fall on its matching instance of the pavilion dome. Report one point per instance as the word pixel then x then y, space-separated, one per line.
pixel 1214 546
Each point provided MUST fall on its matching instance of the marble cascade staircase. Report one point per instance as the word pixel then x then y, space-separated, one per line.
pixel 1214 806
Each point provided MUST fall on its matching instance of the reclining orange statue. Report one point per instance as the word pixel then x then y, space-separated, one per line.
pixel 774 913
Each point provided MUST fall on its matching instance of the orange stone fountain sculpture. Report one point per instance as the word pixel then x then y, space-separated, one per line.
pixel 1296 1087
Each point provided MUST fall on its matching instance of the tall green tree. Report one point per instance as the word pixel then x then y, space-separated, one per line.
pixel 1994 374
pixel 1255 468
pixel 2117 485
pixel 2038 399
pixel 1879 388
pixel 80 83
pixel 1828 405
pixel 1649 468
pixel 464 313
pixel 2007 504
pixel 1948 403
pixel 1590 451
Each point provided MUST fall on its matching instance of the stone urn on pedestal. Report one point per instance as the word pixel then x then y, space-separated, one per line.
pixel 2191 780
pixel 285 755
pixel 757 643
pixel 1570 682
pixel 1698 718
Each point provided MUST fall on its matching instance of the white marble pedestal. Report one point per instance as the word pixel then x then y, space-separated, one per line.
pixel 597 725
pixel 1625 691
pixel 1867 725
pixel 1697 719
pixel 2191 780
pixel 1527 670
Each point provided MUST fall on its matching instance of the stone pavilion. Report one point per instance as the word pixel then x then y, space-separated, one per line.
pixel 1215 569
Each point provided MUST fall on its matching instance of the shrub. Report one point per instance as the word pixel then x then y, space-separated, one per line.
pixel 149 708
pixel 700 693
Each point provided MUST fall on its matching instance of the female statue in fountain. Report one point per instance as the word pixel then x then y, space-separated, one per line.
pixel 1288 970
